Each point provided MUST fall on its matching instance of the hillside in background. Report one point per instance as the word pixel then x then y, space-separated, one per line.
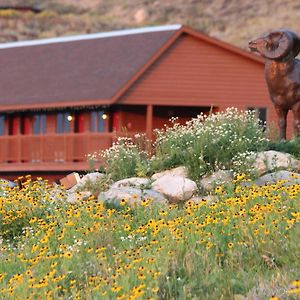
pixel 234 21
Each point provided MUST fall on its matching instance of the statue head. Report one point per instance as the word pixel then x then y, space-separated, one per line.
pixel 277 44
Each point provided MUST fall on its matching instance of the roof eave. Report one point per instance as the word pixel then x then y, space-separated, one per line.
pixel 90 36
pixel 55 105
pixel 222 44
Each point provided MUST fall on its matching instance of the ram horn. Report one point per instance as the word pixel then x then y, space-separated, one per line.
pixel 282 47
pixel 296 45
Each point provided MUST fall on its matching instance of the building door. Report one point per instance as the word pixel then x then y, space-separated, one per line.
pixel 14 125
pixel 79 122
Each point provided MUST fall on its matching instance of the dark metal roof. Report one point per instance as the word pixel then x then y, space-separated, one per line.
pixel 83 68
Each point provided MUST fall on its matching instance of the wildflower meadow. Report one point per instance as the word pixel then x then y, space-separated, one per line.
pixel 245 246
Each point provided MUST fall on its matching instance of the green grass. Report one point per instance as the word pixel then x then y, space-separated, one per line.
pixel 246 244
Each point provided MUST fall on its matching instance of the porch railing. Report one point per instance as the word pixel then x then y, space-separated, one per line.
pixel 52 148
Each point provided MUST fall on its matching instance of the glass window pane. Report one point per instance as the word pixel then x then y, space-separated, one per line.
pixel 101 123
pixel 66 123
pixel 262 114
pixel 36 124
pixel 2 125
pixel 59 123
pixel 43 123
pixel 93 124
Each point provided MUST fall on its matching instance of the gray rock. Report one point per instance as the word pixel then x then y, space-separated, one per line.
pixel 267 161
pixel 4 184
pixel 133 196
pixel 179 171
pixel 271 178
pixel 175 188
pixel 132 182
pixel 92 177
pixel 77 196
pixel 7 183
pixel 210 182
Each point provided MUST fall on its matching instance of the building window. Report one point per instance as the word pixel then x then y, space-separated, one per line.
pixel 63 122
pixel 2 125
pixel 261 114
pixel 39 124
pixel 98 121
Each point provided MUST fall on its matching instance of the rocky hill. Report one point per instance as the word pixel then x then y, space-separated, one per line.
pixel 233 21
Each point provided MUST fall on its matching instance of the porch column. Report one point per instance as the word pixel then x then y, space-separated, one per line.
pixel 149 121
pixel 16 130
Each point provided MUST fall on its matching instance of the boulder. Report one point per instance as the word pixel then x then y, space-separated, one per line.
pixel 137 182
pixel 175 188
pixel 140 15
pixel 268 161
pixel 179 171
pixel 70 180
pixel 4 185
pixel 7 183
pixel 289 178
pixel 59 193
pixel 78 196
pixel 210 182
pixel 133 196
pixel 90 177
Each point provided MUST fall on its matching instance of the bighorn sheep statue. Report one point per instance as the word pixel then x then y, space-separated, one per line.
pixel 282 73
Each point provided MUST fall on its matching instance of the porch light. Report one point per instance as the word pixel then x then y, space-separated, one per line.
pixel 104 116
pixel 69 118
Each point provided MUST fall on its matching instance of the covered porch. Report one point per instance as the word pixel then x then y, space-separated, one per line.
pixel 52 154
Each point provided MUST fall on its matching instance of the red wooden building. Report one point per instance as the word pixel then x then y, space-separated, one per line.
pixel 62 98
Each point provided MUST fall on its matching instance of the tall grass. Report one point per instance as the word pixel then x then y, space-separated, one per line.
pixel 245 245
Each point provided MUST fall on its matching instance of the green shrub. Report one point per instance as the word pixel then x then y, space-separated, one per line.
pixel 224 140
pixel 125 159
pixel 292 146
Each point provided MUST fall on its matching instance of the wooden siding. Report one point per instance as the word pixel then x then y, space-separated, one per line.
pixel 194 72
pixel 133 118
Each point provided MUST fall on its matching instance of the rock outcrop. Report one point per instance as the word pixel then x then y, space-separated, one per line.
pixel 175 188
pixel 132 196
pixel 268 161
pixel 90 177
pixel 285 178
pixel 220 177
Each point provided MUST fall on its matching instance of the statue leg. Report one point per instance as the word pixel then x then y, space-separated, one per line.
pixel 296 113
pixel 282 116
